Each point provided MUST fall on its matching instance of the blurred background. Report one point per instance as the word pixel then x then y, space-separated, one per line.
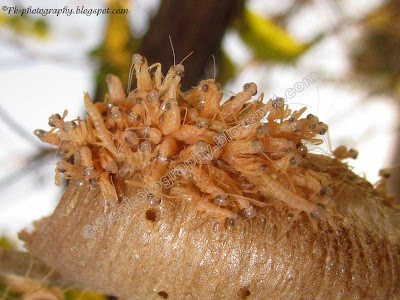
pixel 47 62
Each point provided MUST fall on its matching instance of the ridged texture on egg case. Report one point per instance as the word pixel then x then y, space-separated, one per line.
pixel 353 252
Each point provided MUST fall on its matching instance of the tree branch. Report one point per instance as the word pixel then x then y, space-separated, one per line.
pixel 197 26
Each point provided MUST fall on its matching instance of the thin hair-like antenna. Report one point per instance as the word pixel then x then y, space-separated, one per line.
pixel 295 103
pixel 172 46
pixel 186 57
pixel 215 68
pixel 128 89
pixel 28 272
pixel 318 101
pixel 58 148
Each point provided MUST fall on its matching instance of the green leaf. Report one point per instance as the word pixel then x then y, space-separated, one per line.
pixel 40 28
pixel 10 295
pixel 6 243
pixel 26 25
pixel 268 40
pixel 75 295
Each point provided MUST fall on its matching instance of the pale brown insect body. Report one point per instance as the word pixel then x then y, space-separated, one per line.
pixel 219 201
pixel 158 125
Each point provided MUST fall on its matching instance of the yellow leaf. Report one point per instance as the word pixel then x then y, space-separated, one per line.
pixel 268 40
pixel 81 295
pixel 3 18
pixel 117 36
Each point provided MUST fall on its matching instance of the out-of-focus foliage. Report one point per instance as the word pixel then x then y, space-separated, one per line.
pixel 6 243
pixel 268 41
pixel 5 290
pixel 376 55
pixel 25 25
pixel 114 54
pixel 79 295
pixel 227 69
pixel 17 287
pixel 20 287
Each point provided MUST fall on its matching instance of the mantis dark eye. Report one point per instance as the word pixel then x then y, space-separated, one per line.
pixel 202 146
pixel 262 130
pixel 295 125
pixel 231 222
pixel 318 211
pixel 279 101
pixel 145 146
pixel 252 86
pixel 385 173
pixel 313 121
pixel 39 132
pixel 323 128
pixel 116 113
pixel 257 146
pixel 301 149
pixel 326 191
pixel 265 169
pixel 153 95
pixel 89 171
pixel 69 126
pixel 53 119
pixel 296 160
pixel 180 73
pixel 131 137
pixel 221 200
pixel 132 117
pixel 202 123
pixel 112 167
pixel 138 59
pixel 353 153
pixel 154 201
pixel 249 212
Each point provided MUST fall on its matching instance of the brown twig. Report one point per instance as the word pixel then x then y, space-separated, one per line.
pixel 197 26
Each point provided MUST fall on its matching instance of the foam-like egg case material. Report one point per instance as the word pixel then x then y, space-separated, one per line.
pixel 353 253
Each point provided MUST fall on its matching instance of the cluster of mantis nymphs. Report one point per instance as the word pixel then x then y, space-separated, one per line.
pixel 143 136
